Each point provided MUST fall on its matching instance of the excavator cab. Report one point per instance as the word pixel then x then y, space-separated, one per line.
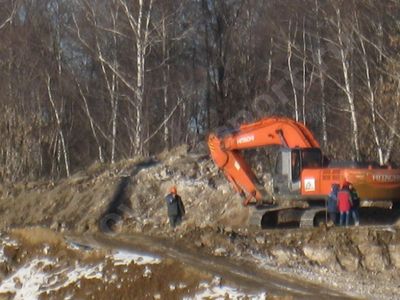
pixel 289 165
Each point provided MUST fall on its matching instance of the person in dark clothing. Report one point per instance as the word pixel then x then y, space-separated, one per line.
pixel 176 209
pixel 355 199
pixel 332 203
pixel 344 204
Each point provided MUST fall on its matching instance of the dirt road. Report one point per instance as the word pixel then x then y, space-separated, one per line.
pixel 234 272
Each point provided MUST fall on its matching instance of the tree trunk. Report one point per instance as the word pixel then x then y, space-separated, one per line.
pixel 165 82
pixel 304 73
pixel 114 89
pixel 348 90
pixel 371 103
pixel 91 122
pixel 391 137
pixel 269 73
pixel 208 64
pixel 140 28
pixel 289 62
pixel 322 80
pixel 142 32
pixel 59 126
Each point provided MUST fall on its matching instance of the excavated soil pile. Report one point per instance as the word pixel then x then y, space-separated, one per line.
pixel 88 200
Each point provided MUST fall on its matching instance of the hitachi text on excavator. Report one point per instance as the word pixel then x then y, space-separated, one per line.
pixel 302 177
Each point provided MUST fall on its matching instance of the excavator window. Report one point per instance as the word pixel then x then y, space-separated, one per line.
pixel 311 158
pixel 296 166
pixel 278 163
pixel 304 159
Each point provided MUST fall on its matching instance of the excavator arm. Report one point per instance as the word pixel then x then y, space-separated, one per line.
pixel 225 149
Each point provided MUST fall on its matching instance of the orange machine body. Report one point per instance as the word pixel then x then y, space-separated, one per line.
pixel 314 180
pixel 371 183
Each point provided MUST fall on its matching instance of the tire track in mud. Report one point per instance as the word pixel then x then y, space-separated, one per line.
pixel 244 275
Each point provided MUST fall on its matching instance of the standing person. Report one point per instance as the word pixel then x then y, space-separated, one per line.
pixel 344 203
pixel 176 209
pixel 355 199
pixel 332 203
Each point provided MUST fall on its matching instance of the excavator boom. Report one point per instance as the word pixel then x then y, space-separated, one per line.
pixel 224 149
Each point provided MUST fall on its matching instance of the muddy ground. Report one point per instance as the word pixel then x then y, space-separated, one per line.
pixel 125 203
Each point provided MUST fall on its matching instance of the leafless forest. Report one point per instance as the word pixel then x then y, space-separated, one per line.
pixel 86 81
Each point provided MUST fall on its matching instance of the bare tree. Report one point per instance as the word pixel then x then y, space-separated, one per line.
pixel 304 71
pixel 140 28
pixel 321 76
pixel 290 44
pixel 166 72
pixel 345 43
pixel 371 102
pixel 91 122
pixel 59 126
pixel 110 79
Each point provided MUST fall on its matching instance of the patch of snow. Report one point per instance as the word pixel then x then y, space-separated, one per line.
pixel 27 280
pixel 182 286
pixel 188 183
pixel 123 257
pixel 147 272
pixel 5 241
pixel 46 249
pixel 34 278
pixel 2 256
pixel 78 246
pixel 222 292
pixel 113 278
pixel 69 297
pixel 175 286
pixel 204 285
pixel 262 259
pixel 157 296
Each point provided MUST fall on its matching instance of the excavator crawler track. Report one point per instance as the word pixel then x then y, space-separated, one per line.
pixel 276 217
pixel 308 218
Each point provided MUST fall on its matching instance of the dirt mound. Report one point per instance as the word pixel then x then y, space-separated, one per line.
pixel 87 200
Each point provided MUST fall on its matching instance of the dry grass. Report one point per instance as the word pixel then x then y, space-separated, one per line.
pixel 38 235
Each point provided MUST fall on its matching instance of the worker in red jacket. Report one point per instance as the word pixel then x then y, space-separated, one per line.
pixel 344 203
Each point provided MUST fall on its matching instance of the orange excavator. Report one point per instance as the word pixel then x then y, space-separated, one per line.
pixel 302 178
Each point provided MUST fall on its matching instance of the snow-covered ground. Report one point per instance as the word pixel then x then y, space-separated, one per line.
pixel 216 291
pixel 44 274
pixel 124 257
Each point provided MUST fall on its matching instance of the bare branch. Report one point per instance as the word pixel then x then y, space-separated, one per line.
pixel 9 19
pixel 164 122
pixel 132 22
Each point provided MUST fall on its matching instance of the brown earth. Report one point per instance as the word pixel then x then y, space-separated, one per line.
pixel 362 261
pixel 83 267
